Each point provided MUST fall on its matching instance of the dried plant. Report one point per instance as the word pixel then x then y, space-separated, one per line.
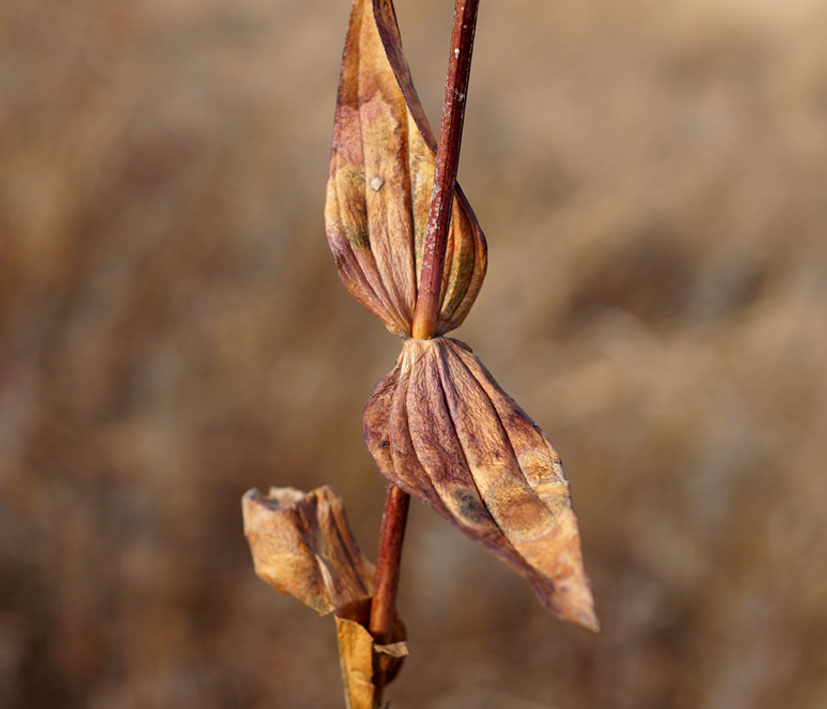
pixel 303 545
pixel 408 247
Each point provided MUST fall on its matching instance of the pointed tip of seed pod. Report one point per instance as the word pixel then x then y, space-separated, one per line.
pixel 566 591
pixel 587 618
pixel 571 602
pixel 575 604
pixel 595 624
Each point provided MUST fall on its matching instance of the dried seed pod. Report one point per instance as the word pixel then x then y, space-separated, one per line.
pixel 381 180
pixel 302 545
pixel 440 427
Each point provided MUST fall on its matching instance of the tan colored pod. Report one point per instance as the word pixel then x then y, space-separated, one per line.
pixel 380 183
pixel 440 427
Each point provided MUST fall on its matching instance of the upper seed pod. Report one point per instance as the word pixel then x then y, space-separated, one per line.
pixel 380 183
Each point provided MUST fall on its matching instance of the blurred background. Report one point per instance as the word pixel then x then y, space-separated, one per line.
pixel 652 179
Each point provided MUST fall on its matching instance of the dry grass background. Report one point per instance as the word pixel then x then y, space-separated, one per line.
pixel 652 178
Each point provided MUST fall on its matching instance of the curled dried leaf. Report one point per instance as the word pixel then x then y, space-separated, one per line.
pixel 440 427
pixel 302 545
pixel 356 662
pixel 380 184
pixel 365 665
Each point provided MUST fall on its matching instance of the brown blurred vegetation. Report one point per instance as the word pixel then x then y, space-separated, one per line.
pixel 652 179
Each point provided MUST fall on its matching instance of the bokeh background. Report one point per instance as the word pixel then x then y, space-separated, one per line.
pixel 652 179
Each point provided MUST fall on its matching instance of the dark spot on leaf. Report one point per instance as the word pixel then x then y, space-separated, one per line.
pixel 469 506
pixel 357 238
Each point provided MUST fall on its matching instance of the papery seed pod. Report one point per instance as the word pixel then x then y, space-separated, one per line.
pixel 440 427
pixel 380 184
pixel 302 545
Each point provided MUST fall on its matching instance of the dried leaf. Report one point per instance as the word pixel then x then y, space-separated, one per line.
pixel 361 659
pixel 440 427
pixel 356 661
pixel 302 545
pixel 381 179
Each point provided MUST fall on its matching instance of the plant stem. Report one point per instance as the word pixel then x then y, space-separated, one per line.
pixel 427 307
pixel 427 302
pixel 387 564
pixel 387 575
pixel 426 311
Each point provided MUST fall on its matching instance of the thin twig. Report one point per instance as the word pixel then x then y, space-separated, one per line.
pixel 387 574
pixel 427 304
pixel 387 564
pixel 447 160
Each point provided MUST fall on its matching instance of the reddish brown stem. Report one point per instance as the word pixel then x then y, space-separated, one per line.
pixel 427 303
pixel 386 580
pixel 426 311
pixel 387 564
